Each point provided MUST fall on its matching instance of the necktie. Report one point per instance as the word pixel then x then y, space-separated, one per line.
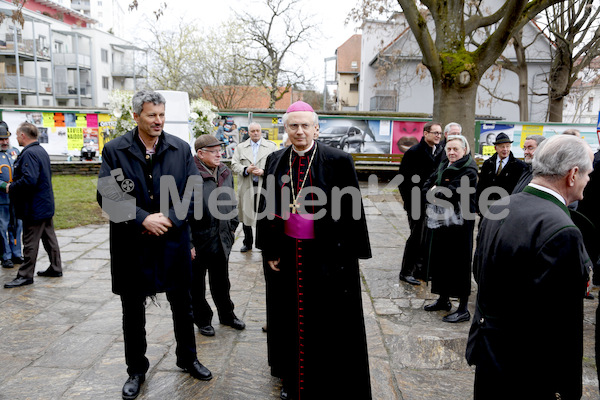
pixel 499 168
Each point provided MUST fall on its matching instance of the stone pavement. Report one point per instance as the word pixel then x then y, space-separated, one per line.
pixel 61 338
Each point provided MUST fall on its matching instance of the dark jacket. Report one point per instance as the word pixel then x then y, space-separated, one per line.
pixel 507 180
pixel 450 248
pixel 31 189
pixel 524 180
pixel 142 263
pixel 209 230
pixel 419 161
pixel 531 269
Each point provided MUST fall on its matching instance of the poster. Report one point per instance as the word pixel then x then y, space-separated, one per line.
pixel 406 134
pixel 356 135
pixel 488 134
pixel 63 133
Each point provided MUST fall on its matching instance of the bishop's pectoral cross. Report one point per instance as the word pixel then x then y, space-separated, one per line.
pixel 295 206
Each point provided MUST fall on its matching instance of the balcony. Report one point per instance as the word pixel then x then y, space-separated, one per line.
pixel 8 84
pixel 70 60
pixel 383 103
pixel 126 70
pixel 25 47
pixel 69 91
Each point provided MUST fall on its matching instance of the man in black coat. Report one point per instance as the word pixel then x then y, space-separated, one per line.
pixel 418 163
pixel 531 267
pixel 312 231
pixel 500 172
pixel 141 174
pixel 530 145
pixel 33 199
pixel 213 235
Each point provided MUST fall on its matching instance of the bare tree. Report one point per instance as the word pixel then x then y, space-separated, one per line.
pixel 271 38
pixel 574 29
pixel 455 62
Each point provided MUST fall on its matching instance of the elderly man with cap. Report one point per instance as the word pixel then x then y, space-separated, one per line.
pixel 312 231
pixel 11 228
pixel 499 173
pixel 212 236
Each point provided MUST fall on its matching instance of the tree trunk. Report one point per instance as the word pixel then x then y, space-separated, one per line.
pixel 555 109
pixel 456 104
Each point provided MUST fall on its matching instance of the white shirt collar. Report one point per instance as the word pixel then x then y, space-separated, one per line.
pixel 549 191
pixel 303 152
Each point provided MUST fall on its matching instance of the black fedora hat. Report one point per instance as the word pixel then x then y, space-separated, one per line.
pixel 502 138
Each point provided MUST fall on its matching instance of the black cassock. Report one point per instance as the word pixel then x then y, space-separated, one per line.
pixel 316 333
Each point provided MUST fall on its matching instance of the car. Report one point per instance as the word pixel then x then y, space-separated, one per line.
pixel 349 138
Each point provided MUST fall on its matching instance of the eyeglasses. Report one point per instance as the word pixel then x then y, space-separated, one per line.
pixel 212 151
pixel 530 148
pixel 295 127
pixel 436 133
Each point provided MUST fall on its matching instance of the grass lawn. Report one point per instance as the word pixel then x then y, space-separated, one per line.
pixel 75 199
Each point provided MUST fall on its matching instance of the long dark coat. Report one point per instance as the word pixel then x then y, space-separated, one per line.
pixel 143 263
pixel 207 229
pixel 31 190
pixel 507 180
pixel 421 161
pixel 527 332
pixel 450 248
pixel 333 332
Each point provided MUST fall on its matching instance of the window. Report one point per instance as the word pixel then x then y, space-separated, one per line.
pixel 354 64
pixel 590 104
pixel 45 102
pixel 44 74
pixel 58 46
pixel 105 82
pixel 104 55
pixel 354 87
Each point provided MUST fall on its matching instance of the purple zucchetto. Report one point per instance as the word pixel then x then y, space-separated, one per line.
pixel 299 106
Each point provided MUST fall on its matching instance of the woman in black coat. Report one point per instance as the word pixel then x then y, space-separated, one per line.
pixel 450 242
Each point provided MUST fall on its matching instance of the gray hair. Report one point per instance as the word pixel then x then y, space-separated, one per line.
pixel 254 123
pixel 146 96
pixel 537 138
pixel 465 142
pixel 450 125
pixel 286 115
pixel 555 157
pixel 572 132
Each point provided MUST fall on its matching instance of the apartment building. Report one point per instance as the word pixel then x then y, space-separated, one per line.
pixel 57 59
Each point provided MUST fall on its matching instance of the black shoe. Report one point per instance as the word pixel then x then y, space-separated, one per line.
pixel 18 281
pixel 18 260
pixel 207 330
pixel 457 316
pixel 245 249
pixel 410 279
pixel 235 323
pixel 197 370
pixel 589 296
pixel 7 264
pixel 50 273
pixel 131 388
pixel 439 305
pixel 284 393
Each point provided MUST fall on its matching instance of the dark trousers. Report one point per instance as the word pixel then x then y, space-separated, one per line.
pixel 134 330
pixel 33 231
pixel 414 250
pixel 217 267
pixel 248 237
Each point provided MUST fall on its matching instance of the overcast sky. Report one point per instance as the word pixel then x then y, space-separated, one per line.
pixel 330 15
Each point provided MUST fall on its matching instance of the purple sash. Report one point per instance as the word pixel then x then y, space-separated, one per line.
pixel 298 227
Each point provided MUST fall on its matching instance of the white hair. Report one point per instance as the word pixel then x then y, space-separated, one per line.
pixel 465 142
pixel 286 115
pixel 450 125
pixel 556 156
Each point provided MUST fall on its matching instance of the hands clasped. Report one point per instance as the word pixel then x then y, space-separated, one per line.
pixel 157 224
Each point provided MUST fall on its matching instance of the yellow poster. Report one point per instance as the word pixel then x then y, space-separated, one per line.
pixel 489 150
pixel 531 130
pixel 48 120
pixel 74 138
pixel 81 121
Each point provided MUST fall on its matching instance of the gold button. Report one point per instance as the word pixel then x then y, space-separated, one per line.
pixel 147 156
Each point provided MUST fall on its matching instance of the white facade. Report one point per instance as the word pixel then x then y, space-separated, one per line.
pixel 393 78
pixel 109 14
pixel 50 63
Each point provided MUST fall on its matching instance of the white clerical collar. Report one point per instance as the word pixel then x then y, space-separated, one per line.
pixel 549 191
pixel 303 152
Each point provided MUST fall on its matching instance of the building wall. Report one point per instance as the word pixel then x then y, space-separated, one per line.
pixel 347 99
